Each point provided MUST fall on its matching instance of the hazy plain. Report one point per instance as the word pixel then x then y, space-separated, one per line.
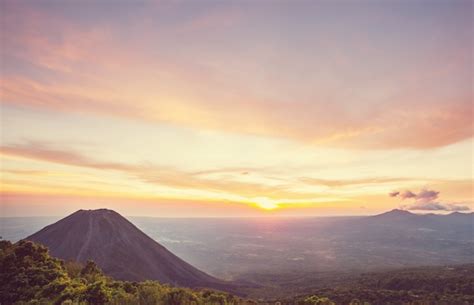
pixel 234 248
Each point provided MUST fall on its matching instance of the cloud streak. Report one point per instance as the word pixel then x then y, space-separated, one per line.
pixel 437 206
pixel 81 71
pixel 157 175
pixel 350 182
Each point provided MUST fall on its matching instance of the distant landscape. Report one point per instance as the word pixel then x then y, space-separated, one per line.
pixel 313 244
pixel 372 258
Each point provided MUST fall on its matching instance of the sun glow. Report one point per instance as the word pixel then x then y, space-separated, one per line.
pixel 80 133
pixel 266 203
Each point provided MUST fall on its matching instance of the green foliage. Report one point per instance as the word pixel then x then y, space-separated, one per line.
pixel 91 273
pixel 73 268
pixel 97 293
pixel 27 272
pixel 440 285
pixel 30 276
pixel 316 300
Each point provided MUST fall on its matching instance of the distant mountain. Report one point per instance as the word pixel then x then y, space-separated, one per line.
pixel 403 226
pixel 120 249
pixel 403 217
pixel 395 213
pixel 233 247
pixel 405 213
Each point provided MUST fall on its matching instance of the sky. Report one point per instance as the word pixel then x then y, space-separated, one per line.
pixel 236 108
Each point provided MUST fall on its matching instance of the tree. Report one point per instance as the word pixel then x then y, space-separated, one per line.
pixel 28 272
pixel 97 293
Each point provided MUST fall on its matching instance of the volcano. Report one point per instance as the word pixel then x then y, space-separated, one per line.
pixel 120 249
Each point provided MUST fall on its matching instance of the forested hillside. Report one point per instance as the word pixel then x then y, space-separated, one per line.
pixel 449 285
pixel 29 275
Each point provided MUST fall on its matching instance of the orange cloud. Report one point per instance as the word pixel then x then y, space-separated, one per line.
pixel 93 71
pixel 39 151
pixel 159 175
pixel 421 129
pixel 365 181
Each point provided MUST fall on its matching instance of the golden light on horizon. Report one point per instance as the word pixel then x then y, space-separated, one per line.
pixel 266 203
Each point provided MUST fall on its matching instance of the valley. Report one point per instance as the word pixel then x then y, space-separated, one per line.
pixel 317 244
pixel 275 259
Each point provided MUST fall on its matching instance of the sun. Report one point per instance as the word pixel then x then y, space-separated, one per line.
pixel 266 203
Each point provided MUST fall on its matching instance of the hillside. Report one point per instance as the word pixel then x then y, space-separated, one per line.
pixel 29 275
pixel 447 285
pixel 120 249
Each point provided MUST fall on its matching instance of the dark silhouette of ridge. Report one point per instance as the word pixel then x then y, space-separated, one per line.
pixel 396 213
pixel 459 214
pixel 120 249
pixel 400 218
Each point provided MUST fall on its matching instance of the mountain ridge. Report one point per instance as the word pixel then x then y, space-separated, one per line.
pixel 406 213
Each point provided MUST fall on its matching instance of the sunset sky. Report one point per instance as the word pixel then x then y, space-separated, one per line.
pixel 236 108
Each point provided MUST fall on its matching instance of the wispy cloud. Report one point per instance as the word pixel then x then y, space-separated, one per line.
pixel 158 175
pixel 394 194
pixel 349 182
pixel 437 206
pixel 82 72
pixel 41 151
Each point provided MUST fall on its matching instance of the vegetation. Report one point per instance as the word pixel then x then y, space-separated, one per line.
pixel 452 285
pixel 30 276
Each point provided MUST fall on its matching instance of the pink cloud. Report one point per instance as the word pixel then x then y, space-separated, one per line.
pixel 427 195
pixel 426 200
pixel 394 194
pixel 407 194
pixel 96 72
pixel 41 151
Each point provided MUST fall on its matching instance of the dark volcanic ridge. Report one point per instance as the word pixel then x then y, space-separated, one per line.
pixel 120 249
